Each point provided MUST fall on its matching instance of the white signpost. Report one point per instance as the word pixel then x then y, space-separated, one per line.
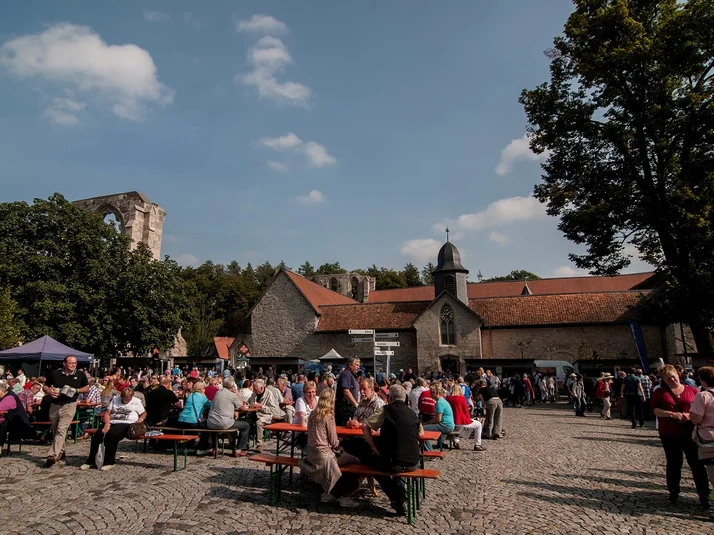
pixel 361 331
pixel 362 339
pixel 381 353
pixel 360 336
pixel 386 344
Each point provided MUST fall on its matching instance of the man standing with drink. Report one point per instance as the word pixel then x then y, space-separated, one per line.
pixel 63 386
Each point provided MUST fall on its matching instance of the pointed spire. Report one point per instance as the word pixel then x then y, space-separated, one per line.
pixel 447 234
pixel 526 290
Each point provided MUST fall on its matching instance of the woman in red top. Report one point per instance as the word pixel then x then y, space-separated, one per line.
pixel 462 417
pixel 670 403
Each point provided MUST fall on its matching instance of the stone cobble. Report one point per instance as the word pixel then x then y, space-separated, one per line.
pixel 553 473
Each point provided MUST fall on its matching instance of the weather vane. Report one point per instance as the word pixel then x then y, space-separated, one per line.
pixel 447 234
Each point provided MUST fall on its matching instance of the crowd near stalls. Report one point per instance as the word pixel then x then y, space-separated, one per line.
pixel 402 406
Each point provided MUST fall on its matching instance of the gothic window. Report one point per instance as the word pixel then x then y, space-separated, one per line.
pixel 448 333
pixel 333 285
pixel 450 284
pixel 355 288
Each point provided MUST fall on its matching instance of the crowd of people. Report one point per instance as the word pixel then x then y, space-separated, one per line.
pixel 402 406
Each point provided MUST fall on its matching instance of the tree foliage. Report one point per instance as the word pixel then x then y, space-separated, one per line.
pixel 515 275
pixel 74 278
pixel 9 328
pixel 628 122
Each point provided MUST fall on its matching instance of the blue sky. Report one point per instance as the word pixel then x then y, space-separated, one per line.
pixel 321 131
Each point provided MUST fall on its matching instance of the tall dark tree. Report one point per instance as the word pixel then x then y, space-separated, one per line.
pixel 426 274
pixel 9 327
pixel 411 275
pixel 628 122
pixel 331 268
pixel 306 270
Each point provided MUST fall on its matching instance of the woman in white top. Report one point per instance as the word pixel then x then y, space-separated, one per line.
pixel 122 411
pixel 305 404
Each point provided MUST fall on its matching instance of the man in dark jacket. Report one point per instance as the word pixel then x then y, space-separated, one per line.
pixel 397 448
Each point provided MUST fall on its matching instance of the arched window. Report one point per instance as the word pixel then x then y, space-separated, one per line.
pixel 333 285
pixel 450 284
pixel 448 333
pixel 355 288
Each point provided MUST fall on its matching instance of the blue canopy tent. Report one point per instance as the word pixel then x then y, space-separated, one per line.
pixel 44 349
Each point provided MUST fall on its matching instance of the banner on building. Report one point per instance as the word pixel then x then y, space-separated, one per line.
pixel 636 331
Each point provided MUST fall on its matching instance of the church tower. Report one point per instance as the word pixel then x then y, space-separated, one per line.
pixel 449 274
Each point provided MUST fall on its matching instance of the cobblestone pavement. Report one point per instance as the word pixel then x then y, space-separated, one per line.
pixel 554 473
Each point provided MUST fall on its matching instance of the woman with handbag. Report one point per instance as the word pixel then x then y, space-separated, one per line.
pixel 195 406
pixel 671 404
pixel 123 411
pixel 325 456
pixel 702 415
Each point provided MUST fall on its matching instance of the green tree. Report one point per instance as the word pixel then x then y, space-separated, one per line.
pixel 330 269
pixel 515 275
pixel 264 274
pixel 411 276
pixel 628 122
pixel 426 274
pixel 9 328
pixel 306 270
pixel 388 279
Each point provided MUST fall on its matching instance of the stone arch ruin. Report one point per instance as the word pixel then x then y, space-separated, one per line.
pixel 138 218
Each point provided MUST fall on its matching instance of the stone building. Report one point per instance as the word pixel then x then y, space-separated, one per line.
pixel 353 285
pixel 456 325
pixel 137 217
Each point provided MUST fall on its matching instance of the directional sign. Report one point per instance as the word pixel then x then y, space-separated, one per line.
pixel 386 344
pixel 385 336
pixel 360 339
pixel 379 353
pixel 361 331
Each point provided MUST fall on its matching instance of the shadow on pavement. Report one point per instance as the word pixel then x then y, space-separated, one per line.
pixel 640 442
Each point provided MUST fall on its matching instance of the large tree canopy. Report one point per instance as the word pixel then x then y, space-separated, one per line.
pixel 628 122
pixel 73 277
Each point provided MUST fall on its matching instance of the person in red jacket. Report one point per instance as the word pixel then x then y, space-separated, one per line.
pixel 462 418
pixel 427 406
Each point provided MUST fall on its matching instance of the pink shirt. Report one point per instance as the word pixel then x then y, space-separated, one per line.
pixel 703 405
pixel 7 403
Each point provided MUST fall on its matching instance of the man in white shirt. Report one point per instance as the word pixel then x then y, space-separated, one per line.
pixel 414 393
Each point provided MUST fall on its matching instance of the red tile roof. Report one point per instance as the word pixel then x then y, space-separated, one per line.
pixel 568 285
pixel 222 344
pixel 562 309
pixel 374 316
pixel 317 295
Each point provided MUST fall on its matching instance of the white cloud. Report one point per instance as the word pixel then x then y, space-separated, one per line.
pixel 190 18
pixel 76 58
pixel 569 271
pixel 170 238
pixel 157 16
pixel 518 149
pixel 63 111
pixel 421 250
pixel 269 57
pixel 314 197
pixel 262 24
pixel 288 141
pixel 316 154
pixel 277 166
pixel 186 260
pixel 499 238
pixel 497 213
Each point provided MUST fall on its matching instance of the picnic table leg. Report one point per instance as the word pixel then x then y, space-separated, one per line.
pixel 410 512
pixel 215 445
pixel 175 455
pixel 271 482
pixel 292 454
pixel 185 453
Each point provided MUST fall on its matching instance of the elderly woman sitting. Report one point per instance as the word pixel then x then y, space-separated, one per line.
pixel 122 411
pixel 15 418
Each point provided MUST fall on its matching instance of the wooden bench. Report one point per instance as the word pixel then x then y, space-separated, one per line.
pixel 278 463
pixel 214 435
pixel 176 439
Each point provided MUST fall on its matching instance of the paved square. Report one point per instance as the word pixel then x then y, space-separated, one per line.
pixel 553 474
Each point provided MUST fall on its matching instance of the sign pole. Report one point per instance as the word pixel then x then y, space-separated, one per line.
pixel 374 357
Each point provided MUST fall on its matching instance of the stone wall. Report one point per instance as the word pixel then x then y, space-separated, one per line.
pixel 468 336
pixel 281 321
pixel 138 218
pixel 569 342
pixel 353 285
